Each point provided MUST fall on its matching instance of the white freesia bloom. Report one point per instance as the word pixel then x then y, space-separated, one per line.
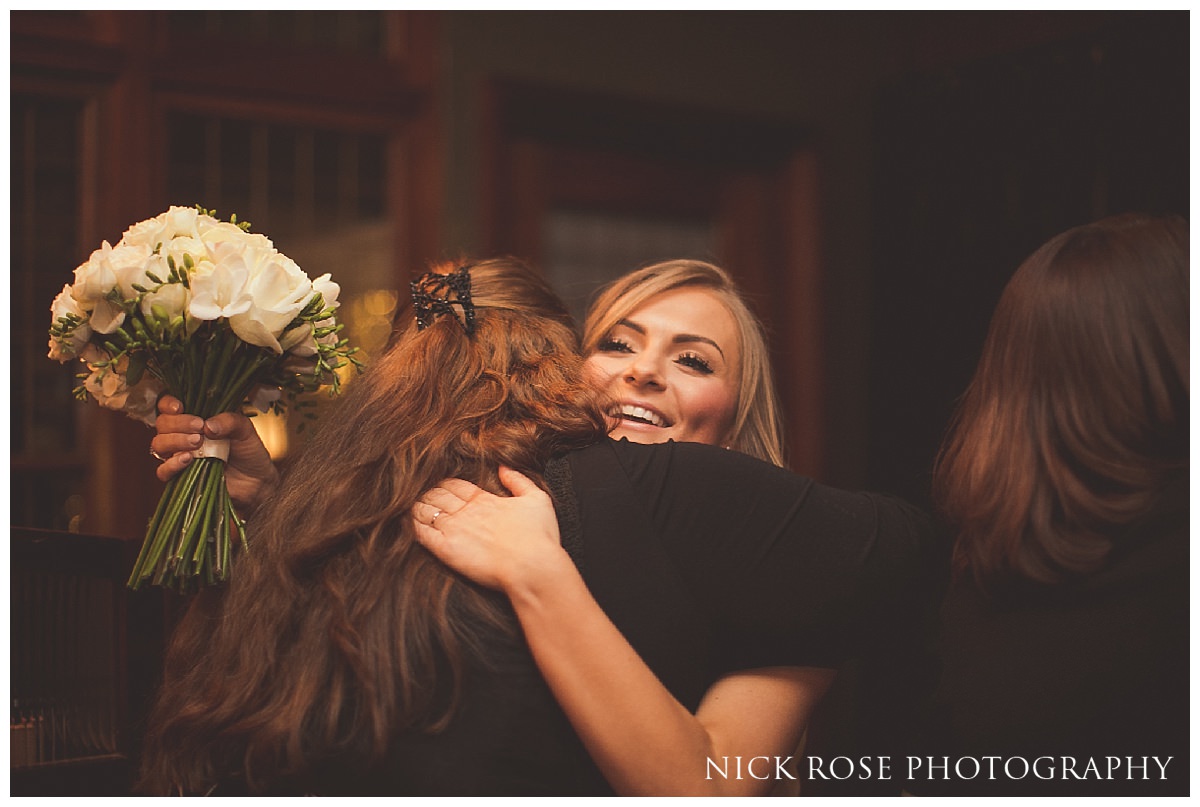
pixel 110 387
pixel 76 340
pixel 278 291
pixel 328 290
pixel 261 397
pixel 220 291
pixel 299 340
pixel 65 303
pixel 92 355
pixel 95 278
pixel 107 316
pixel 141 401
pixel 171 298
pixel 109 272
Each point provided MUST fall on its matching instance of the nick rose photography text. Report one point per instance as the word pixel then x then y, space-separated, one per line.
pixel 944 768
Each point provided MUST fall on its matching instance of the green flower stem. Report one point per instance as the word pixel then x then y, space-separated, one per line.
pixel 151 542
pixel 190 534
pixel 189 539
pixel 221 550
pixel 207 500
pixel 173 500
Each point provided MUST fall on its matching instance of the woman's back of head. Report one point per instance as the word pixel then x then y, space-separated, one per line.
pixel 1077 416
pixel 338 629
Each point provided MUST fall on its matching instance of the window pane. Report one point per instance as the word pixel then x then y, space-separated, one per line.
pixel 318 194
pixel 586 249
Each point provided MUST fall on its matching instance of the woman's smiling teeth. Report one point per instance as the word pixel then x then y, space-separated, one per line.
pixel 640 414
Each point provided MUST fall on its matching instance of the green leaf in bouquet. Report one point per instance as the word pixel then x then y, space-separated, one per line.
pixel 137 367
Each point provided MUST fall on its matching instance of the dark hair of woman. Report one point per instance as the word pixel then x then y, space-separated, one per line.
pixel 338 629
pixel 1077 416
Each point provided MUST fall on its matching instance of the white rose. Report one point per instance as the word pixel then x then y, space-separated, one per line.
pixel 148 233
pixel 278 291
pixel 223 232
pixel 176 221
pixel 176 248
pixel 180 221
pixel 65 303
pixel 129 264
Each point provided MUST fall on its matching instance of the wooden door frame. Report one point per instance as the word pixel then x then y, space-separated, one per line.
pixel 757 181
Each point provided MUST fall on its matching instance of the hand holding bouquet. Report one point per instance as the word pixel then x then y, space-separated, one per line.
pixel 217 317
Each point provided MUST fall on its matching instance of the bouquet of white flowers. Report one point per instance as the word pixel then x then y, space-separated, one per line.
pixel 214 315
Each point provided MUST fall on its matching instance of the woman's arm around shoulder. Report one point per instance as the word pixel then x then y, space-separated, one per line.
pixel 645 741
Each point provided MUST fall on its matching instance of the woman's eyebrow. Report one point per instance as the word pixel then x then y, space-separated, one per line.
pixel 685 338
pixel 678 339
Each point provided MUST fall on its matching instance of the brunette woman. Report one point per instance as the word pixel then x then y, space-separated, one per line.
pixel 1065 479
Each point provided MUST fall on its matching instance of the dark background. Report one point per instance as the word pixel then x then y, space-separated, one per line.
pixel 975 167
pixel 872 179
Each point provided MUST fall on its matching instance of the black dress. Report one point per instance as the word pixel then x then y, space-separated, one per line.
pixel 1073 674
pixel 708 561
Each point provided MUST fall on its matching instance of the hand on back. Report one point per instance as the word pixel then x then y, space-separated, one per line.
pixel 507 543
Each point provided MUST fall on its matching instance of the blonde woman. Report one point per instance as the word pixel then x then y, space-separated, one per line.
pixel 684 296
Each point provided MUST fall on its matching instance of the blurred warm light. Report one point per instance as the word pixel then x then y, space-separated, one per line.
pixel 380 302
pixel 273 431
pixel 368 316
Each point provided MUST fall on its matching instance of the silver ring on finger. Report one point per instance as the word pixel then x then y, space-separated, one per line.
pixel 433 521
pixel 156 455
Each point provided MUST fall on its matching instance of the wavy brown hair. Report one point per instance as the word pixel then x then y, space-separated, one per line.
pixel 1077 416
pixel 338 629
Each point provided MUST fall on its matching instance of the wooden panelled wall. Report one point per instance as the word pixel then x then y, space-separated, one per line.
pixel 319 128
pixel 295 121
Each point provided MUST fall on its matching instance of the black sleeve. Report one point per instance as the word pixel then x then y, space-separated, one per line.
pixel 790 572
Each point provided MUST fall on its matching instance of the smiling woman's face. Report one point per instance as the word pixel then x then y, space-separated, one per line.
pixel 672 366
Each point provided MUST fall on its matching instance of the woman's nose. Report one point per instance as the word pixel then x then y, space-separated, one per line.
pixel 643 371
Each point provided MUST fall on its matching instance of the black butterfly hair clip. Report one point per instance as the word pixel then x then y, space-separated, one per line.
pixel 435 294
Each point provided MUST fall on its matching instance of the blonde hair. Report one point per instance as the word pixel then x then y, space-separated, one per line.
pixel 758 424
